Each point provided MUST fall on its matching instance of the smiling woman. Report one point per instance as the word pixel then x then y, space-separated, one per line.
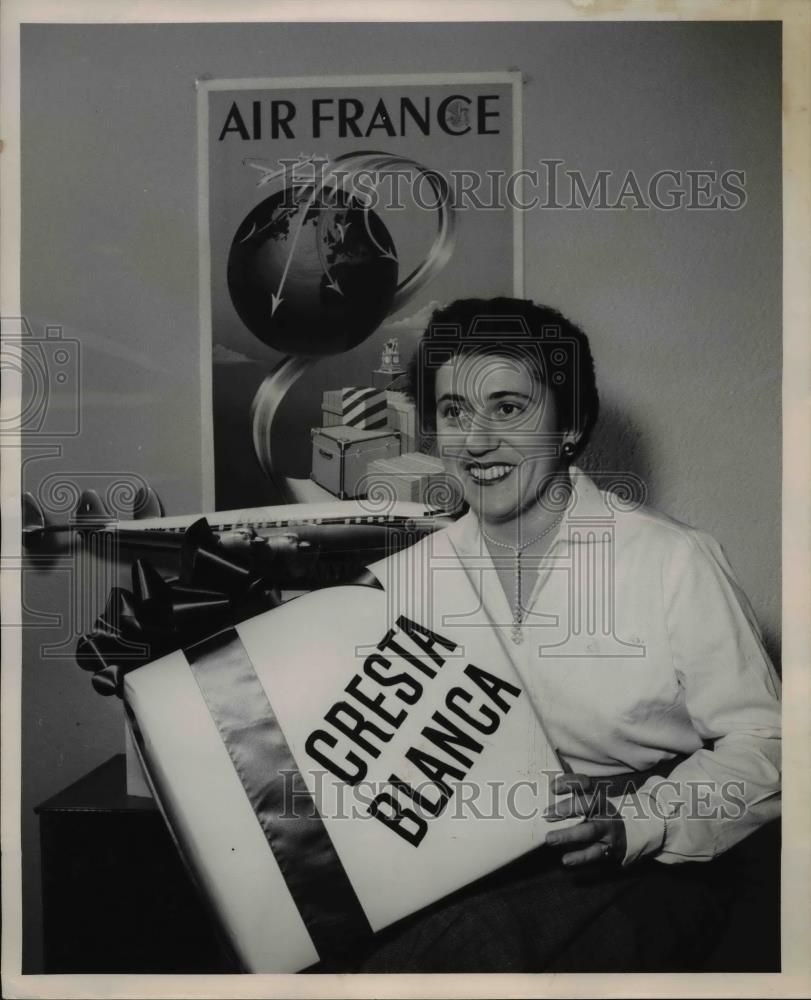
pixel 493 421
pixel 636 646
pixel 508 390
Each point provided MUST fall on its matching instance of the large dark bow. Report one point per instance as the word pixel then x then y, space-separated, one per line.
pixel 218 586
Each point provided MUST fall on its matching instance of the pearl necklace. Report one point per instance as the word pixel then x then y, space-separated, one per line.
pixel 516 634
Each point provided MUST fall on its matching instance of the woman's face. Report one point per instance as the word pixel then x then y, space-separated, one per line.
pixel 497 432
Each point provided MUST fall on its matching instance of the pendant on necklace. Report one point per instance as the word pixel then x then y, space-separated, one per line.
pixel 517 635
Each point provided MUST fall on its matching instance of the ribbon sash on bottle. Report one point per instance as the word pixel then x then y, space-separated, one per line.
pixel 267 769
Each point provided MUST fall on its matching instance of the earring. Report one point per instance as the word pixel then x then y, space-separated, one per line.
pixel 568 449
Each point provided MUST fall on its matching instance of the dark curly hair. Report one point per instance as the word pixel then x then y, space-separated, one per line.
pixel 554 349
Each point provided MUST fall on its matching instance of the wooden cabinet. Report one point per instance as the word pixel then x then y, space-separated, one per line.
pixel 116 895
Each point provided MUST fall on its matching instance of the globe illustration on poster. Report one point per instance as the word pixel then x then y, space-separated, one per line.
pixel 312 277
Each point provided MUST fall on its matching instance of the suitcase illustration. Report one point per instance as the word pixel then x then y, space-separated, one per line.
pixel 341 457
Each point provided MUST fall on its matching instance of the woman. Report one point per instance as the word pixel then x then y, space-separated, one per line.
pixel 640 652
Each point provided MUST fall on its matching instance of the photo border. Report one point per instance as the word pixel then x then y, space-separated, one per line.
pixel 795 979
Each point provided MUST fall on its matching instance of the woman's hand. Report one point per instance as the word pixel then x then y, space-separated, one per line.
pixel 600 837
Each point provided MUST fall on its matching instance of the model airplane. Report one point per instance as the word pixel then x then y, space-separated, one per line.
pixel 304 540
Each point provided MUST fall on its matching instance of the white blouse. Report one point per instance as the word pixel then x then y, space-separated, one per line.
pixel 639 646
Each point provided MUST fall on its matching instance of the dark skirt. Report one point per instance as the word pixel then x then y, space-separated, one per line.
pixel 537 916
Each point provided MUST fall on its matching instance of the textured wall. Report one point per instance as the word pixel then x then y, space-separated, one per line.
pixel 683 307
